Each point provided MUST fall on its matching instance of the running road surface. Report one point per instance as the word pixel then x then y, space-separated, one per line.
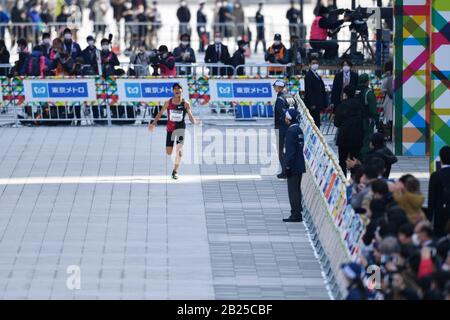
pixel 100 199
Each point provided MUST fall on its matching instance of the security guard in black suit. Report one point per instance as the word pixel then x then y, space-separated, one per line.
pixel 294 164
pixel 282 104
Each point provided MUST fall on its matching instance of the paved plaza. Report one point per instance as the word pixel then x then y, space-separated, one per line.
pixel 100 199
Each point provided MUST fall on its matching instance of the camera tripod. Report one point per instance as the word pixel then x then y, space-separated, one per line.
pixel 365 42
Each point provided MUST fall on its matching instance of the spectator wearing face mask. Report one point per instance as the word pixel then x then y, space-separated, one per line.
pixel 61 63
pixel 217 53
pixel 108 59
pixel 46 44
pixel 238 57
pixel 184 54
pixel 70 46
pixel 140 61
pixel 277 54
pixel 341 80
pixel 315 94
pixel 91 58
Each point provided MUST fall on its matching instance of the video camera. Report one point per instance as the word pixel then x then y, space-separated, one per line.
pixel 358 19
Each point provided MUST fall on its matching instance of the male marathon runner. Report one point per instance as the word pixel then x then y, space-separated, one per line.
pixel 177 108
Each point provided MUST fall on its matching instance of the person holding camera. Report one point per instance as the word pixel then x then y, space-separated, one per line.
pixel 108 59
pixel 166 63
pixel 319 33
pixel 184 54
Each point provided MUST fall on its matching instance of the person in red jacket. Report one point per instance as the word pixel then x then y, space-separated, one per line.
pixel 319 33
pixel 166 62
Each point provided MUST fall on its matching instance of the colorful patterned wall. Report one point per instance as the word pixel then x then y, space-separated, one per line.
pixel 422 72
pixel 440 77
pixel 412 76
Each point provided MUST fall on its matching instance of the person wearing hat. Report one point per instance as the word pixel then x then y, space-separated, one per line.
pixel 201 27
pixel 370 113
pixel 70 46
pixel 354 273
pixel 184 54
pixel 238 57
pixel 319 33
pixel 91 57
pixel 177 109
pixel 276 54
pixel 282 104
pixel 294 164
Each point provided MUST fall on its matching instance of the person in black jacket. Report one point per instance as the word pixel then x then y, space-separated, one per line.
pixel 91 58
pixel 293 16
pixel 184 16
pixel 217 53
pixel 46 44
pixel 294 165
pixel 282 104
pixel 380 150
pixel 108 59
pixel 348 120
pixel 260 30
pixel 201 27
pixel 238 57
pixel 315 95
pixel 341 80
pixel 439 195
pixel 4 58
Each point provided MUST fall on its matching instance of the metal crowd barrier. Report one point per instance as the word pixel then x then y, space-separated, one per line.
pixel 105 109
pixel 205 69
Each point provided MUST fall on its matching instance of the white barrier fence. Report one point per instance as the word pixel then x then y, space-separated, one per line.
pixel 337 230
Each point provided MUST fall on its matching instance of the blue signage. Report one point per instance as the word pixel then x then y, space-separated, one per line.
pixel 244 90
pixel 147 90
pixel 47 90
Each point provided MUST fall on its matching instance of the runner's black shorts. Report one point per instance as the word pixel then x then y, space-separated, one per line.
pixel 177 135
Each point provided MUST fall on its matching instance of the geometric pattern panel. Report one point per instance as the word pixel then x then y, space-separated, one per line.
pixel 440 75
pixel 412 77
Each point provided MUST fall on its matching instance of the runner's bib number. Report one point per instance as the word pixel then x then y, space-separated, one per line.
pixel 176 115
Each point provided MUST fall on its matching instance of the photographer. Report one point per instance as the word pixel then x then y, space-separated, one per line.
pixel 108 59
pixel 166 62
pixel 184 54
pixel 319 33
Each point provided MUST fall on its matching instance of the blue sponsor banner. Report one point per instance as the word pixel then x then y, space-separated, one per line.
pixel 242 90
pixel 59 90
pixel 147 90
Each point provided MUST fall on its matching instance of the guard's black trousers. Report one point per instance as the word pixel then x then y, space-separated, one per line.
pixel 281 154
pixel 295 195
